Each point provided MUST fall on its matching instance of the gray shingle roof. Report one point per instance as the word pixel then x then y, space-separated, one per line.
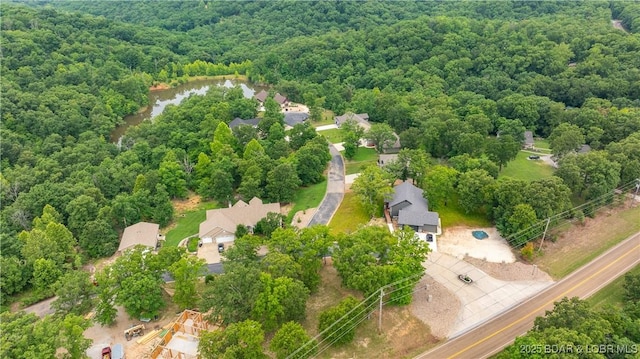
pixel 141 233
pixel 410 193
pixel 412 217
pixel 528 137
pixel 294 118
pixel 261 96
pixel 279 98
pixel 238 121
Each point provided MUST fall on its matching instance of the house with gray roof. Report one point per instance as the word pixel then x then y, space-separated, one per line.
pixel 239 122
pixel 293 118
pixel 362 119
pixel 409 208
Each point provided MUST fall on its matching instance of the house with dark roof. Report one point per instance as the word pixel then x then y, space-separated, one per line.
pixel 261 96
pixel 409 208
pixel 240 122
pixel 293 118
pixel 281 100
pixel 528 140
pixel 142 233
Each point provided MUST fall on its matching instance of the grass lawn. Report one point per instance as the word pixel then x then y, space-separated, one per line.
pixel 529 170
pixel 453 215
pixel 363 158
pixel 349 216
pixel 308 197
pixel 579 244
pixel 327 119
pixel 612 293
pixel 541 143
pixel 333 135
pixel 188 223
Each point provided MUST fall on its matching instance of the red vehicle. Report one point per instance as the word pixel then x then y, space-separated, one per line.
pixel 106 353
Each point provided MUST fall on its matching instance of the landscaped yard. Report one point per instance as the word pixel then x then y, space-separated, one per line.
pixel 187 223
pixel 363 158
pixel 526 169
pixel 613 293
pixel 349 216
pixel 580 244
pixel 308 197
pixel 541 143
pixel 333 135
pixel 453 215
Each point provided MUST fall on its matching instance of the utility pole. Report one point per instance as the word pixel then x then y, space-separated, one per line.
pixel 380 313
pixel 545 233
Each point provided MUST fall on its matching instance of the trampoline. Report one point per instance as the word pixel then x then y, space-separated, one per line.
pixel 480 235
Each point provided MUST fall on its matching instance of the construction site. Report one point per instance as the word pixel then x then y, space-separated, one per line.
pixel 180 340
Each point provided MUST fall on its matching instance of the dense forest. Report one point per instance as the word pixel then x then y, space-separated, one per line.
pixel 448 77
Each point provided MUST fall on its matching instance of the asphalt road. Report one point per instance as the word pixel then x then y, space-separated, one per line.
pixel 494 335
pixel 335 190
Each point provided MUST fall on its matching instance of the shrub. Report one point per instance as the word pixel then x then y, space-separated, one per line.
pixel 344 329
pixel 527 252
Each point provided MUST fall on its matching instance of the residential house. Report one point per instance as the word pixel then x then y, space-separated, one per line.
pixel 261 96
pixel 281 100
pixel 528 140
pixel 384 159
pixel 220 224
pixel 142 233
pixel 409 208
pixel 293 118
pixel 362 119
pixel 240 122
pixel 584 149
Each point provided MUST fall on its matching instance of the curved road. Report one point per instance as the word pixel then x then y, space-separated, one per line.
pixel 335 190
pixel 494 335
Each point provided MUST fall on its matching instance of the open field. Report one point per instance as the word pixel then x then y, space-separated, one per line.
pixel 453 215
pixel 526 169
pixel 579 244
pixel 363 158
pixel 612 294
pixel 333 135
pixel 349 216
pixel 308 197
pixel 403 335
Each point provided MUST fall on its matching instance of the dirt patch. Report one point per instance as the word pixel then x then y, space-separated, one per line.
pixel 186 205
pixel 510 271
pixel 458 242
pixel 578 243
pixel 159 87
pixel 439 311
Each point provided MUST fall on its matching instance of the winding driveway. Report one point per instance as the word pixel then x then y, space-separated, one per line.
pixel 335 190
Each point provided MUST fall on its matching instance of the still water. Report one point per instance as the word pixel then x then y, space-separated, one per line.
pixel 158 100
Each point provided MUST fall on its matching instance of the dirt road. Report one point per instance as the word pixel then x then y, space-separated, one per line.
pixel 494 335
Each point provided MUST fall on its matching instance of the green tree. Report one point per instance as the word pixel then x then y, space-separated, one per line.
pixel 81 210
pixel 589 175
pixel 74 291
pixel 238 340
pixel 14 277
pixel 272 115
pixel 522 218
pixel 252 183
pixel 282 182
pixel 381 135
pixel 300 134
pixel 311 161
pixel 502 150
pixel 173 176
pixel 45 273
pixel 282 299
pixel 106 311
pixel 371 187
pixel 72 336
pixel 222 185
pixel 288 339
pixel 185 272
pixel 141 295
pixel 565 138
pixel 270 223
pixel 340 327
pixel 98 239
pixel 474 190
pixel 439 185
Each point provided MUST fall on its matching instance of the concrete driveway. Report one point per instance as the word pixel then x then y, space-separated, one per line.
pixel 335 190
pixel 485 297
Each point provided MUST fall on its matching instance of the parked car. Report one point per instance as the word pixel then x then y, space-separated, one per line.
pixel 429 237
pixel 220 247
pixel 534 157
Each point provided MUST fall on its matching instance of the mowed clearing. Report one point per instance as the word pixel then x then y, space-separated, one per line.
pixel 580 244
